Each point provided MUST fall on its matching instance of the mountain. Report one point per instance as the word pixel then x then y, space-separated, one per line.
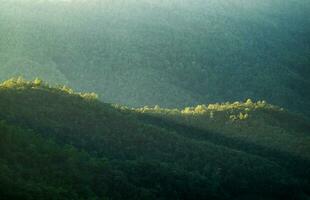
pixel 171 53
pixel 59 144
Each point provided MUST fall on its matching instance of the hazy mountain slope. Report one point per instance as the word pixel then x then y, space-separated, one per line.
pixel 134 156
pixel 237 119
pixel 258 128
pixel 180 52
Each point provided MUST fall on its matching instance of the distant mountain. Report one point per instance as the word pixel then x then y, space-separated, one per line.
pixel 171 53
pixel 29 69
pixel 58 144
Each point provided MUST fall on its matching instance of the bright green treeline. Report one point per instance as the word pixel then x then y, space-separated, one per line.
pixel 257 122
pixel 22 84
pixel 57 142
pixel 171 53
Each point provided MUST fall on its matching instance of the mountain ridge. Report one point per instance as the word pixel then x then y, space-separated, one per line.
pixel 150 156
pixel 171 53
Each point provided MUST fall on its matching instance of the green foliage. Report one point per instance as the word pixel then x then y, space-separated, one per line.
pixel 241 116
pixel 137 54
pixel 32 167
pixel 22 84
pixel 239 109
pixel 56 145
pixel 278 125
pixel 37 82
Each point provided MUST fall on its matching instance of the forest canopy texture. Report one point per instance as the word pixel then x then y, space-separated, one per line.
pixel 173 53
pixel 59 144
pixel 177 99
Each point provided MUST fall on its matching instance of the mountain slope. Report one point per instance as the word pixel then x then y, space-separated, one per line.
pixel 255 127
pixel 103 151
pixel 171 53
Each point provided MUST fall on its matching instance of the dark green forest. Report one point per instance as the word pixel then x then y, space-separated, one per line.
pixel 59 144
pixel 154 99
pixel 173 53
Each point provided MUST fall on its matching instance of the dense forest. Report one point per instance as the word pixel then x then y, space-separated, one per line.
pixel 178 99
pixel 173 53
pixel 59 144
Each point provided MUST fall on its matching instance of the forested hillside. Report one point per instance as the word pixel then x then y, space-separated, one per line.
pixel 173 53
pixel 59 144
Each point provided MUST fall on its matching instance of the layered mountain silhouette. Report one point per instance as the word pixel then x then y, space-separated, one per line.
pixel 59 144
pixel 170 53
pixel 204 99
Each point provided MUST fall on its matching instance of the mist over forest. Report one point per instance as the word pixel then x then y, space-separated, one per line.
pixel 154 99
pixel 169 53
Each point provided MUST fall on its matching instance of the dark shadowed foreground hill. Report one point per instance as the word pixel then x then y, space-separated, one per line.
pixel 57 144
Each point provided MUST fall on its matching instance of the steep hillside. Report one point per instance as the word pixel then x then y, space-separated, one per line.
pixel 262 120
pixel 56 141
pixel 171 53
pixel 256 127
